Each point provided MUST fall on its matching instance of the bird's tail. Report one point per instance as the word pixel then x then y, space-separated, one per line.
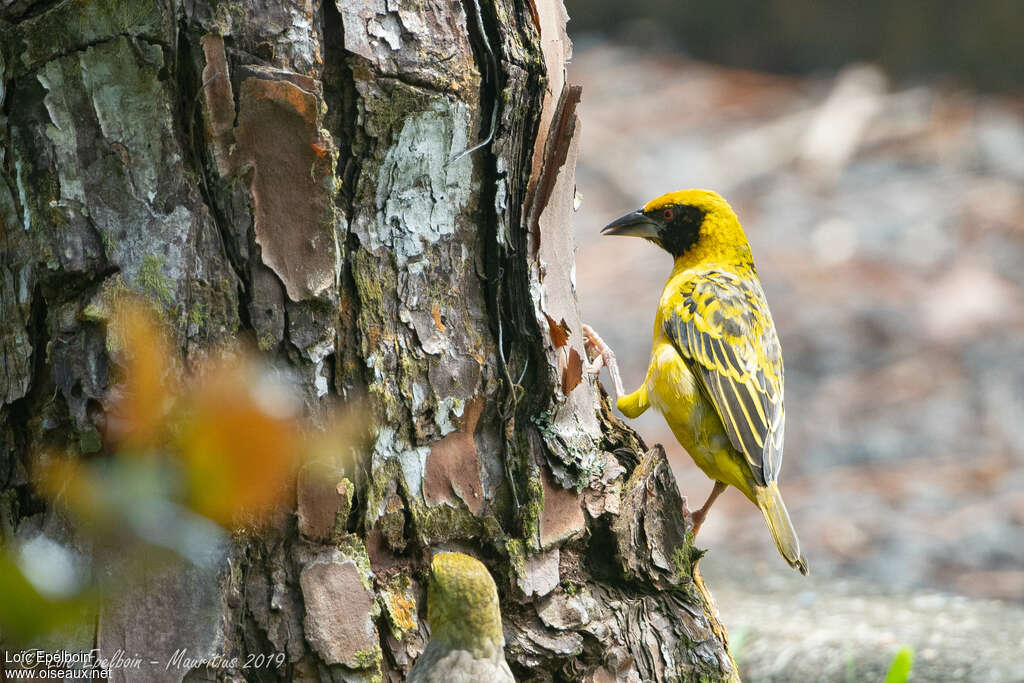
pixel 775 515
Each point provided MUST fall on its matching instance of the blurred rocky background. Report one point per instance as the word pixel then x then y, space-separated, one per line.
pixel 875 154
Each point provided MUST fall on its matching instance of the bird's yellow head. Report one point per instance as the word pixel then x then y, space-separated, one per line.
pixel 462 605
pixel 687 222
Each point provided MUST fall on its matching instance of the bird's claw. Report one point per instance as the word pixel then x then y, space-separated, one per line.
pixel 693 519
pixel 600 355
pixel 696 519
pixel 595 359
pixel 689 517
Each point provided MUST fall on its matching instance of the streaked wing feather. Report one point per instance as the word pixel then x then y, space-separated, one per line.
pixel 721 326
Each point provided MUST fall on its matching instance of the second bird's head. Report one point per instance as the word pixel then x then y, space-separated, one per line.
pixel 462 605
pixel 679 221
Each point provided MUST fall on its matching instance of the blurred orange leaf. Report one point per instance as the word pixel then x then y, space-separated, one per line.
pixel 144 396
pixel 240 443
pixel 226 441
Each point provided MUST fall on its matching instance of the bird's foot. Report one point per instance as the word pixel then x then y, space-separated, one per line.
pixel 597 351
pixel 697 520
pixel 697 517
pixel 600 355
pixel 693 519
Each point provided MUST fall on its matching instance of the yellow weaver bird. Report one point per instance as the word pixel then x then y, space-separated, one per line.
pixel 716 364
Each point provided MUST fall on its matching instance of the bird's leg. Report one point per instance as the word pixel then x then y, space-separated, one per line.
pixel 603 356
pixel 699 515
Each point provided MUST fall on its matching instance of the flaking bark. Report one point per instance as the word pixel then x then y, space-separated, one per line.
pixel 294 173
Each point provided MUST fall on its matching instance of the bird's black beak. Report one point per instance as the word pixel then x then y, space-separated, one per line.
pixel 634 224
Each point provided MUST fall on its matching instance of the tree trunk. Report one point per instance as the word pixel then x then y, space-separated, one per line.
pixel 296 173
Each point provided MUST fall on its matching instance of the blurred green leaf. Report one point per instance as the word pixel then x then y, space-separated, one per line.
pixel 26 614
pixel 736 643
pixel 902 664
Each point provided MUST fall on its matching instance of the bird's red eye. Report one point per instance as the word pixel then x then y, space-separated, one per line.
pixel 669 214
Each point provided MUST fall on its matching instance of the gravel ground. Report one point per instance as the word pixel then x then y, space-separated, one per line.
pixel 823 629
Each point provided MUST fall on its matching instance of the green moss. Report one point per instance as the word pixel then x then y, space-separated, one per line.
pixel 100 306
pixel 403 101
pixel 266 342
pixel 392 526
pixel 198 314
pixel 532 510
pixel 89 441
pixel 492 529
pixel 371 280
pixel 108 243
pixel 94 313
pixel 406 364
pixel 152 282
pixel 366 659
pixel 444 523
pixel 684 561
pixel 378 391
pixel 379 488
pixel 352 547
pixel 516 556
pixel 213 310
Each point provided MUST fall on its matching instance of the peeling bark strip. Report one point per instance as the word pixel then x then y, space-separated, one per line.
pixel 278 135
pixel 453 466
pixel 556 151
pixel 278 140
pixel 294 172
pixel 219 101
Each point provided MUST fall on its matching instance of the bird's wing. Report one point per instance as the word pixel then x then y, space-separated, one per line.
pixel 720 324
